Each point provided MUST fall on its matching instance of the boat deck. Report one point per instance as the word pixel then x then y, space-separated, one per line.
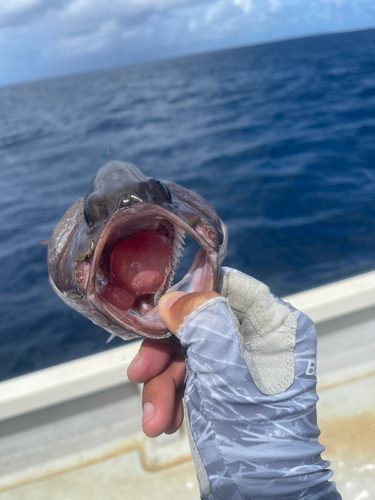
pixel 73 432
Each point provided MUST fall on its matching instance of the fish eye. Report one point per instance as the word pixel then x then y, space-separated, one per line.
pixel 87 219
pixel 165 191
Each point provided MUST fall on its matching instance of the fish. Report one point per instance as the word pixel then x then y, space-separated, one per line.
pixel 125 208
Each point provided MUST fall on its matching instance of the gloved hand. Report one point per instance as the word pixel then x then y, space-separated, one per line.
pixel 250 396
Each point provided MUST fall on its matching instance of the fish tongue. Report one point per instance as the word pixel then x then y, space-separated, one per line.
pixel 138 266
pixel 118 297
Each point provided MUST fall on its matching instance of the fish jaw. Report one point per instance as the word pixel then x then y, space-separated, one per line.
pixel 79 270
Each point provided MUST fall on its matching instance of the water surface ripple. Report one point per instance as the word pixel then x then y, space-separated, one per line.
pixel 279 138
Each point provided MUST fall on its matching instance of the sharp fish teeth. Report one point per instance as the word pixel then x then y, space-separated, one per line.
pixel 178 249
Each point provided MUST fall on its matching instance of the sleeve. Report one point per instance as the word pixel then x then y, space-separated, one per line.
pixel 250 399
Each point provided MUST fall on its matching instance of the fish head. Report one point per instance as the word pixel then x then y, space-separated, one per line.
pixel 121 202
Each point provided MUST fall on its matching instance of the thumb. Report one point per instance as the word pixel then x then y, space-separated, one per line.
pixel 173 307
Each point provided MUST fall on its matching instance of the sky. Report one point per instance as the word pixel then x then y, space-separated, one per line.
pixel 43 38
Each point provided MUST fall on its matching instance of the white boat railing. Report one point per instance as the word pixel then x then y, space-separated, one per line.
pixel 106 370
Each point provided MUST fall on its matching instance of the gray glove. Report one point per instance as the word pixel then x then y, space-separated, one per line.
pixel 250 396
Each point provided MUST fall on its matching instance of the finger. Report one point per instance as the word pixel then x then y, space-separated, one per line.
pixel 174 307
pixel 178 415
pixel 151 359
pixel 159 398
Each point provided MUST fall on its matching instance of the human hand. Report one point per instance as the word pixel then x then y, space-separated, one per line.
pixel 162 370
pixel 250 394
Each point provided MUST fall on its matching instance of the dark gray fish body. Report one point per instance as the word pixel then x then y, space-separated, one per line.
pixel 123 200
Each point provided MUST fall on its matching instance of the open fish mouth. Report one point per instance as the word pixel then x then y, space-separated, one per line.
pixel 115 252
pixel 142 314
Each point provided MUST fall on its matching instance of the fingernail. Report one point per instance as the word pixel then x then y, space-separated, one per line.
pixel 148 412
pixel 169 299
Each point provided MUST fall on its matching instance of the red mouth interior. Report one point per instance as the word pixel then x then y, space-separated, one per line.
pixel 139 266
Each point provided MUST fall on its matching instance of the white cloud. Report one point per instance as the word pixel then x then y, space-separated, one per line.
pixel 88 43
pixel 274 5
pixel 89 26
pixel 214 11
pixel 17 6
pixel 16 12
pixel 81 10
pixel 192 25
pixel 24 12
pixel 246 5
pixel 130 33
pixel 210 23
pixel 339 3
pixel 63 34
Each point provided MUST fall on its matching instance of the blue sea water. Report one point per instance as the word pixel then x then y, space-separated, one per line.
pixel 280 138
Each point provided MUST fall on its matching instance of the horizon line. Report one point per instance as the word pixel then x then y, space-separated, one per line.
pixel 186 55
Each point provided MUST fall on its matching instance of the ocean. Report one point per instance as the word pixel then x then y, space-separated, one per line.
pixel 279 137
